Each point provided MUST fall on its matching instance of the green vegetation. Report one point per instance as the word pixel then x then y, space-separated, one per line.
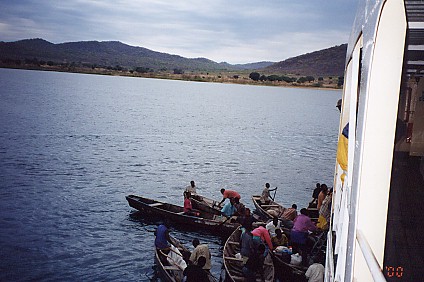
pixel 115 58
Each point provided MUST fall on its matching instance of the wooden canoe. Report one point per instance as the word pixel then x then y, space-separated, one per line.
pixel 169 269
pixel 233 265
pixel 271 209
pixel 175 216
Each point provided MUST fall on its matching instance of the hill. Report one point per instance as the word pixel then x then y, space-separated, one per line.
pixel 108 53
pixel 114 55
pixel 327 62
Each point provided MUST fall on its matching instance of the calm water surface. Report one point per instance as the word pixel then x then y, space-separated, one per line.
pixel 72 146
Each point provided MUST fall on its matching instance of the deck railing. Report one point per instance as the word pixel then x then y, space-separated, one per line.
pixel 372 263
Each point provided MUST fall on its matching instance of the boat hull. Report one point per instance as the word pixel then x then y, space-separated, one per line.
pixel 233 265
pixel 174 215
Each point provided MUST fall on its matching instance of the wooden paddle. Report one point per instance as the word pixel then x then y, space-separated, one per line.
pixel 275 191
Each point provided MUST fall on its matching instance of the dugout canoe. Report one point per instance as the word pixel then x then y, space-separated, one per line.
pixel 170 266
pixel 271 209
pixel 233 265
pixel 174 214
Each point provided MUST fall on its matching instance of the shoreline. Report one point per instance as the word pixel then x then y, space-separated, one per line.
pixel 228 77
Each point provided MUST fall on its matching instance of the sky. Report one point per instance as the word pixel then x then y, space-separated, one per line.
pixel 236 32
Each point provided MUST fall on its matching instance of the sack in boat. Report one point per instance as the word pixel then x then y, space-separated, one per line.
pixel 282 249
pixel 175 257
pixel 296 259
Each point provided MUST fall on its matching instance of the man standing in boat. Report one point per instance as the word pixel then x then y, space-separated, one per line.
pixel 265 194
pixel 163 241
pixel 302 225
pixel 201 250
pixel 315 193
pixel 227 194
pixel 191 188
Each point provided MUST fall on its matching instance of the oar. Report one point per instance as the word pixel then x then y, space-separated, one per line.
pixel 275 191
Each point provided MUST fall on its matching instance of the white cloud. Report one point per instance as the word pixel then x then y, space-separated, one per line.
pixel 232 31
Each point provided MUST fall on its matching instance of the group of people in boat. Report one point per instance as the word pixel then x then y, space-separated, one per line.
pixel 199 261
pixel 287 232
pixel 299 227
pixel 232 207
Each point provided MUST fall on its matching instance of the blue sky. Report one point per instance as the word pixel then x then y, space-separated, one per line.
pixel 231 31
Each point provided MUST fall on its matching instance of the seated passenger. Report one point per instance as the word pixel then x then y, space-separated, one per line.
pixel 279 239
pixel 188 208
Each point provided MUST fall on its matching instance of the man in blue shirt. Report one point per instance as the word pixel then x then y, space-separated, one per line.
pixel 162 240
pixel 229 209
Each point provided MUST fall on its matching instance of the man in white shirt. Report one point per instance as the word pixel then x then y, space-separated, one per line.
pixel 315 272
pixel 272 225
pixel 191 188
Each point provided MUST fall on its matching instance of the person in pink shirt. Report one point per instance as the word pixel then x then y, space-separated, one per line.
pixel 263 234
pixel 228 194
pixel 302 225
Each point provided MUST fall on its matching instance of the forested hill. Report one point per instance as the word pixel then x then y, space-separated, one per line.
pixel 107 53
pixel 327 62
pixel 116 55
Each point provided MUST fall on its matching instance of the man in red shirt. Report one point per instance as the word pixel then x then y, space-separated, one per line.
pixel 228 194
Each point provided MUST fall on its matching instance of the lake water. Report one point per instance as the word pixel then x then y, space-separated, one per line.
pixel 72 146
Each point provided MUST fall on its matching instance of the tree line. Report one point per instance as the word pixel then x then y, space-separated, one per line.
pixel 258 77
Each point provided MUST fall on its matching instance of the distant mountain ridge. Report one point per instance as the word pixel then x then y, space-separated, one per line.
pixel 107 53
pixel 114 53
pixel 327 62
